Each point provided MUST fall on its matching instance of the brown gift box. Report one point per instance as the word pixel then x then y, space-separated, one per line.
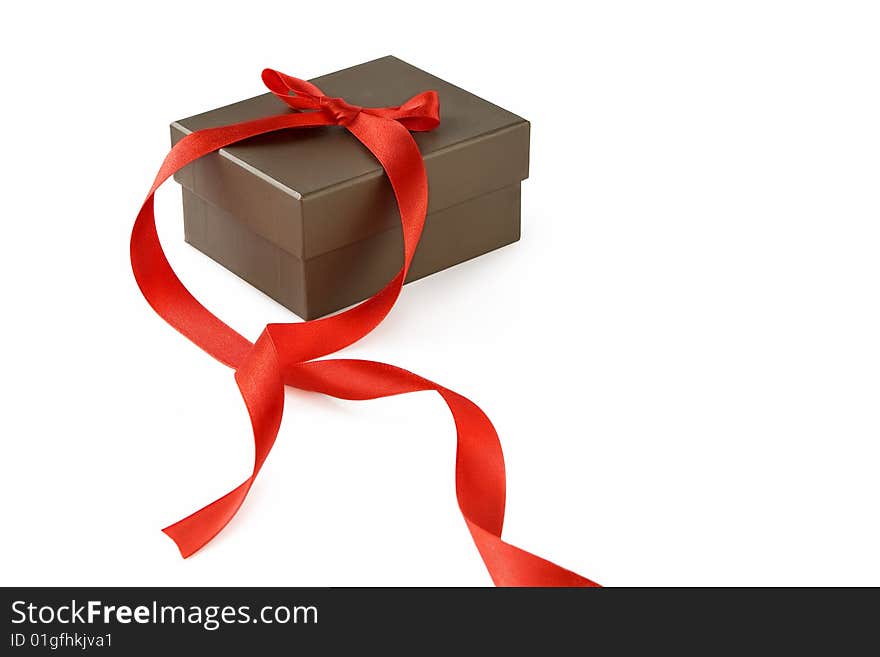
pixel 308 215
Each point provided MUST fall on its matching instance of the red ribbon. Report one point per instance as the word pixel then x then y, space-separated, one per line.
pixel 284 353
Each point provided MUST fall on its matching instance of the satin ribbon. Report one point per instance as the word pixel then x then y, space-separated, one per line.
pixel 284 354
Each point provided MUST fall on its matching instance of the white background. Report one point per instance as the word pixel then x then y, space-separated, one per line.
pixel 682 355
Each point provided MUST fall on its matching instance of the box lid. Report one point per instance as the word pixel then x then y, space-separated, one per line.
pixel 313 190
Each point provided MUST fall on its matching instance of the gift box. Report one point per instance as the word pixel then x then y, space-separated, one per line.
pixel 308 216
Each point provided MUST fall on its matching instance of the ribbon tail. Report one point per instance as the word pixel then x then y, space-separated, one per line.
pixel 167 295
pixel 259 381
pixel 509 565
pixel 479 464
pixel 480 487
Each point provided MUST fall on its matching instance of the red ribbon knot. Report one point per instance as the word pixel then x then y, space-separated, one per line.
pixel 343 112
pixel 284 354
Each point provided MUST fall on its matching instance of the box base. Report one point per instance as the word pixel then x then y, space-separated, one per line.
pixel 331 281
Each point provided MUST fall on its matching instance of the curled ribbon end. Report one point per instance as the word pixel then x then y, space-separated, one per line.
pixel 186 551
pixel 197 529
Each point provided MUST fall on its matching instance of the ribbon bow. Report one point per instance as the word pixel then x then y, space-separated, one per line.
pixel 421 112
pixel 284 354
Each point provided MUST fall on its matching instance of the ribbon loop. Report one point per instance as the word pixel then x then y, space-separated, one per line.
pixel 420 113
pixel 282 85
